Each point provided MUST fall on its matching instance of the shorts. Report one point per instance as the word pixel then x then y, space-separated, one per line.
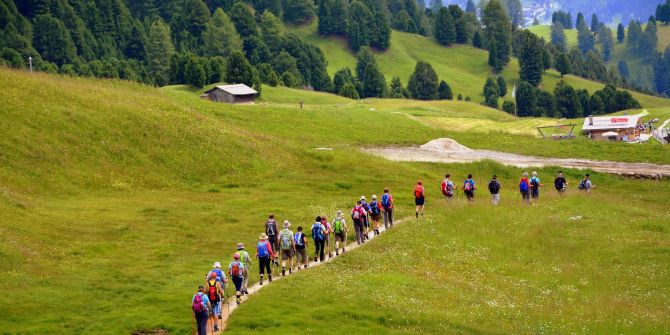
pixel 419 201
pixel 535 194
pixel 376 217
pixel 469 194
pixel 340 237
pixel 366 223
pixel 286 254
pixel 301 255
pixel 495 198
pixel 525 195
pixel 216 308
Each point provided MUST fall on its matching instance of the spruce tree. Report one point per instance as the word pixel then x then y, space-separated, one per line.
pixel 52 40
pixel 498 35
pixel 558 37
pixel 397 91
pixel 581 22
pixel 585 39
pixel 470 7
pixel 271 31
pixel 359 25
pixel 567 102
pixel 349 91
pixel 530 59
pixel 634 34
pixel 502 86
pixel 159 51
pixel 244 21
pixel 607 41
pixel 332 17
pixel 595 23
pixel 298 11
pixel 220 36
pixel 622 66
pixel 422 83
pixel 444 91
pixel 515 12
pixel 194 73
pixel 367 73
pixel 444 30
pixel 239 70
pixel 563 64
pixel 491 92
pixel 477 40
pixel 620 33
pixel 341 77
pixel 525 99
pixel 380 30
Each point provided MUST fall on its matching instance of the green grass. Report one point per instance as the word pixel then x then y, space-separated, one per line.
pixel 475 269
pixel 115 198
pixel 544 31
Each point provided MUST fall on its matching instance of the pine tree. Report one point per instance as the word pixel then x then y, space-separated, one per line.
pixel 396 89
pixel 563 64
pixel 502 86
pixel 196 15
pixel 260 6
pixel 288 79
pixel 52 40
pixel 530 59
pixel 243 20
pixel 342 77
pixel 194 73
pixel 239 70
pixel 498 35
pixel 381 31
pixel 359 21
pixel 349 91
pixel 620 33
pixel 444 30
pixel 220 36
pixel 470 7
pixel 509 107
pixel 461 24
pixel 491 92
pixel 159 51
pixel 515 11
pixel 595 23
pixel 368 74
pixel 567 101
pixel 477 40
pixel 607 41
pixel 444 91
pixel 271 31
pixel 332 17
pixel 581 22
pixel 422 83
pixel 634 34
pixel 558 37
pixel 299 11
pixel 622 66
pixel 585 39
pixel 136 46
pixel 525 99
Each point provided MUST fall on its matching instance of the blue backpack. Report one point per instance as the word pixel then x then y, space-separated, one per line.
pixel 386 202
pixel 297 238
pixel 219 275
pixel 523 186
pixel 374 208
pixel 317 233
pixel 262 250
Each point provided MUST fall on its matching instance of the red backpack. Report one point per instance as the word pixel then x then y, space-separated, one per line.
pixel 418 192
pixel 213 291
pixel 235 270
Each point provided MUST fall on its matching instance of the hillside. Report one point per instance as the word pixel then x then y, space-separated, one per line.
pixel 111 188
pixel 544 31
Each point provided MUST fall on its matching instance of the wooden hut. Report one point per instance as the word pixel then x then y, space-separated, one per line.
pixel 232 94
pixel 612 128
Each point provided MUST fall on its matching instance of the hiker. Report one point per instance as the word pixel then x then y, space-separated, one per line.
pixel 535 186
pixel 287 248
pixel 244 257
pixel 419 198
pixel 357 215
pixel 387 206
pixel 215 296
pixel 265 255
pixel 560 183
pixel 201 306
pixel 329 230
pixel 301 103
pixel 524 188
pixel 318 235
pixel 469 188
pixel 447 188
pixel 585 184
pixel 237 272
pixel 494 188
pixel 271 230
pixel 375 213
pixel 220 275
pixel 300 242
pixel 366 220
pixel 340 232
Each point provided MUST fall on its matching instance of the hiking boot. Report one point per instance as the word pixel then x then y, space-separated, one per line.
pixel 283 272
pixel 343 249
pixel 216 327
pixel 316 259
pixel 290 270
pixel 337 252
pixel 239 300
pixel 306 266
pixel 330 255
pixel 270 278
pixel 417 215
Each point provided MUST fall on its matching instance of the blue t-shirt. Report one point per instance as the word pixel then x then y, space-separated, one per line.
pixel 471 182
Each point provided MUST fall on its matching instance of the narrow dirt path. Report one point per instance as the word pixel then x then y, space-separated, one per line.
pixel 445 150
pixel 230 306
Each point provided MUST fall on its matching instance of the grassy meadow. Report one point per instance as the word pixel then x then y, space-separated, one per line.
pixel 115 199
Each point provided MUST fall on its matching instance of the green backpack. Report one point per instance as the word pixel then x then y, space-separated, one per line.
pixel 285 240
pixel 338 225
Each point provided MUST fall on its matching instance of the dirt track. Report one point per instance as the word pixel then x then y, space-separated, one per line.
pixel 445 150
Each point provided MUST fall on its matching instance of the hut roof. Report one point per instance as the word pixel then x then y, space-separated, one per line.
pixel 610 122
pixel 235 89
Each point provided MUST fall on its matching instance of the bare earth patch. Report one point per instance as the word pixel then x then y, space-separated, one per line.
pixel 446 150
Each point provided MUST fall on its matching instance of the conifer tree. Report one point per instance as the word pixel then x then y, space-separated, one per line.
pixel 422 83
pixel 444 91
pixel 444 30
pixel 620 33
pixel 220 36
pixel 498 35
pixel 558 37
pixel 359 25
pixel 159 51
pixel 52 40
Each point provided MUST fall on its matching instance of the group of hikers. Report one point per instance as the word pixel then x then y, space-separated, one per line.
pixel 275 245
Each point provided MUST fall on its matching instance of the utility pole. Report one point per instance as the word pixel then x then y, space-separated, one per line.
pixel 30 61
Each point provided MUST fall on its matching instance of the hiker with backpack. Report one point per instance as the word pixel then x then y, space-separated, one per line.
pixel 287 248
pixel 200 306
pixel 560 183
pixel 494 189
pixel 419 198
pixel 246 259
pixel 271 230
pixel 375 213
pixel 265 255
pixel 220 275
pixel 524 188
pixel 447 188
pixel 357 215
pixel 318 235
pixel 366 219
pixel 237 272
pixel 340 232
pixel 300 242
pixel 586 185
pixel 535 185
pixel 469 188
pixel 215 296
pixel 329 230
pixel 387 206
